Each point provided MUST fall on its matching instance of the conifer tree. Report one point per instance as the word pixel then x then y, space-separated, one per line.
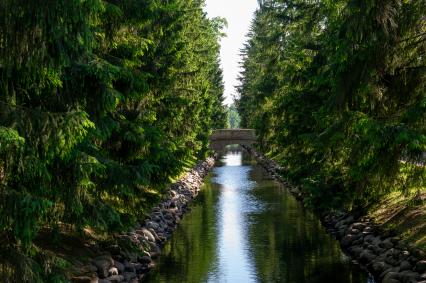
pixel 336 92
pixel 101 104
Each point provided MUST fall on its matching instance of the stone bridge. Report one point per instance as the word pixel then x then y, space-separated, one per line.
pixel 221 138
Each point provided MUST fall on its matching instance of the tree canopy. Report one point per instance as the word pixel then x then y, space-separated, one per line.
pixel 101 104
pixel 336 92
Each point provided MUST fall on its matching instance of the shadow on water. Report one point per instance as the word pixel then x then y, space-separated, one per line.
pixel 245 227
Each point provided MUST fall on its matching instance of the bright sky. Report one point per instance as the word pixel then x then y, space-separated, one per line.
pixel 238 14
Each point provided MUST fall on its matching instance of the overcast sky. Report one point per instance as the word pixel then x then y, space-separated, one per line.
pixel 238 14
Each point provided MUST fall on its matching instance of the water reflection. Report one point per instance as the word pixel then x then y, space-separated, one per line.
pixel 232 211
pixel 247 228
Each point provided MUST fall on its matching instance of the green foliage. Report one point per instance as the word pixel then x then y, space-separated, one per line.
pixel 336 91
pixel 234 119
pixel 101 104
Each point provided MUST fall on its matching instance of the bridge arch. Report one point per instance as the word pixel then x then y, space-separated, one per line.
pixel 222 137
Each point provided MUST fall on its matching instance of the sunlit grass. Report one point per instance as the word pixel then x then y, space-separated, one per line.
pixel 404 213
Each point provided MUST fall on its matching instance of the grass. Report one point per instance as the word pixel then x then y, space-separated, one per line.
pixel 405 214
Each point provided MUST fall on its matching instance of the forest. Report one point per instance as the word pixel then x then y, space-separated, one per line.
pixel 336 91
pixel 102 104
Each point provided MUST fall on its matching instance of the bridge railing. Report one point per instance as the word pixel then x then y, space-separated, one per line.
pixel 233 134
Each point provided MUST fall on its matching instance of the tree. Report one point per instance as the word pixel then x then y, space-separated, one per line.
pixel 336 92
pixel 101 104
pixel 233 117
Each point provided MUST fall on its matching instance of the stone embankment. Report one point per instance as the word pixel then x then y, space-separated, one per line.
pixel 387 258
pixel 133 254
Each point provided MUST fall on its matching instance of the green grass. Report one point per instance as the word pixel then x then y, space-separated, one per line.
pixel 404 214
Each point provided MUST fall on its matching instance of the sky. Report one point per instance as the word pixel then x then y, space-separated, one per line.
pixel 238 14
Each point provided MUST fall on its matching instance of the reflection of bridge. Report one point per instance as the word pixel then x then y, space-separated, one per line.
pixel 221 138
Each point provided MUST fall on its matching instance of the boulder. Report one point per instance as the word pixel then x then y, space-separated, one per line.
pixel 128 276
pixel 103 265
pixel 393 273
pixel 386 244
pixel 358 226
pixel 145 259
pixel 347 240
pixel 421 266
pixel 147 234
pixel 119 266
pixel 115 278
pixel 113 271
pixel 85 279
pixel 153 225
pixel 129 267
pixel 405 265
pixel 366 256
pixel 409 276
pixel 391 277
pixel 379 266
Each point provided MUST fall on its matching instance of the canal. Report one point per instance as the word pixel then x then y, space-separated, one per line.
pixel 246 227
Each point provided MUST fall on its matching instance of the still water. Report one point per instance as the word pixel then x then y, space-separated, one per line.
pixel 245 227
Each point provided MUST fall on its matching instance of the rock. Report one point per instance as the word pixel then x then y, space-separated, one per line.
pixel 153 225
pixel 386 244
pixel 341 232
pixel 85 279
pixel 347 240
pixel 377 250
pixel 154 250
pixel 113 271
pixel 116 278
pixel 390 276
pixel 379 266
pixel 358 226
pixel 409 276
pixel 366 257
pixel 392 261
pixel 148 235
pixel 356 251
pixel 404 255
pixel 141 268
pixel 129 267
pixel 128 276
pixel 157 238
pixel 369 238
pixel 119 266
pixel 421 266
pixel 103 265
pixel 393 271
pixel 419 253
pixel 405 265
pixel 145 259
pixel 368 229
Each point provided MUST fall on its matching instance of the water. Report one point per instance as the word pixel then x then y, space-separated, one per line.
pixel 245 227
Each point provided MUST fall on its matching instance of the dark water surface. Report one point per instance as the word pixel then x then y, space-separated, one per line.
pixel 245 227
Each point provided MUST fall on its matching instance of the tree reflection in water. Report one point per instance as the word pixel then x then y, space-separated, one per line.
pixel 245 227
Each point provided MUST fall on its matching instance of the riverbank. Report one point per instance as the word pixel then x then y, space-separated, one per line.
pixel 385 255
pixel 130 256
